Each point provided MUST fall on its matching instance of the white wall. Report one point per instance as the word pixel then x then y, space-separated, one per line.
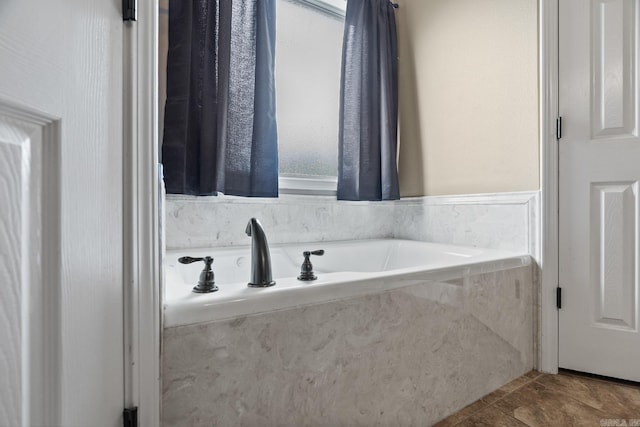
pixel 468 96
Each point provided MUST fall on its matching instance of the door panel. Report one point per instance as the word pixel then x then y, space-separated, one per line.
pixel 613 68
pixel 28 148
pixel 613 214
pixel 599 174
pixel 10 324
pixel 61 185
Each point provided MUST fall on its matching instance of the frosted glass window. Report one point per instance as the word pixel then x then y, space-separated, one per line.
pixel 308 58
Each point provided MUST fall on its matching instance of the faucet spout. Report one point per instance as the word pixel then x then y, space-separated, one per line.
pixel 260 257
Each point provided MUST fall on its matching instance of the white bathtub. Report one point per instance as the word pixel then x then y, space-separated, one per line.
pixel 348 268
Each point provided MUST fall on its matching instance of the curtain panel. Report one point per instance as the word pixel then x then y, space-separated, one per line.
pixel 368 130
pixel 220 122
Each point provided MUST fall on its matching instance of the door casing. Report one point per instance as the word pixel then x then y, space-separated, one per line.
pixel 548 262
pixel 142 219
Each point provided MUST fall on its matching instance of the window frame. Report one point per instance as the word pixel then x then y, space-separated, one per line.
pixel 333 7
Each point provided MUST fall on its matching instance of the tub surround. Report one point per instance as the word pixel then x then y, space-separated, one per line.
pixel 407 356
pixel 402 352
pixel 498 221
pixel 196 222
pixel 505 221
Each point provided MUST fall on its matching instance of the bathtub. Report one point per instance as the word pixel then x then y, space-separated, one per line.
pixel 393 332
pixel 347 269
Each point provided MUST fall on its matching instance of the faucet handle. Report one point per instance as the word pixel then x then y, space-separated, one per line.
pixel 207 281
pixel 190 260
pixel 319 252
pixel 306 271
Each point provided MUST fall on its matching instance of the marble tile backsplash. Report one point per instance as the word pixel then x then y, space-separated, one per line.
pixel 499 221
pixel 210 221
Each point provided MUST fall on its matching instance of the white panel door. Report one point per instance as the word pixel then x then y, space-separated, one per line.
pixel 61 213
pixel 599 199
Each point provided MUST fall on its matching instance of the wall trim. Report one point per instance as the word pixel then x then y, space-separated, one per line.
pixel 548 33
pixel 142 237
pixel 504 198
pixel 282 199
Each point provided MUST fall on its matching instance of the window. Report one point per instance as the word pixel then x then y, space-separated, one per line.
pixel 308 60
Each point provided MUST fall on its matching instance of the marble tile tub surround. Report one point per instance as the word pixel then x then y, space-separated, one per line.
pixel 498 221
pixel 410 356
pixel 507 221
pixel 194 222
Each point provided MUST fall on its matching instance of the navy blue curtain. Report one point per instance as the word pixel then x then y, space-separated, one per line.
pixel 369 103
pixel 220 123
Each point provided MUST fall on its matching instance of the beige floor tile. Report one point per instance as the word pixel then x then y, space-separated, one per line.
pixel 616 401
pixel 492 397
pixel 461 415
pixel 536 405
pixel 567 399
pixel 518 382
pixel 490 417
pixel 533 374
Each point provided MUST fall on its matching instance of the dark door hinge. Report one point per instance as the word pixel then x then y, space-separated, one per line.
pixel 559 128
pixel 130 417
pixel 559 297
pixel 129 10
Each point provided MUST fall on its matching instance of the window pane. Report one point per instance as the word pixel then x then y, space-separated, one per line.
pixel 308 57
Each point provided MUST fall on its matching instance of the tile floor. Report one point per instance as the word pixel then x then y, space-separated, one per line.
pixel 566 399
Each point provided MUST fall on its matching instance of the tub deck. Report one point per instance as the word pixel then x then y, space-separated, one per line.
pixel 348 269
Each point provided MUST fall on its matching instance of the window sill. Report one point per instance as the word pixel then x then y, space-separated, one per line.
pixel 308 186
pixel 322 188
